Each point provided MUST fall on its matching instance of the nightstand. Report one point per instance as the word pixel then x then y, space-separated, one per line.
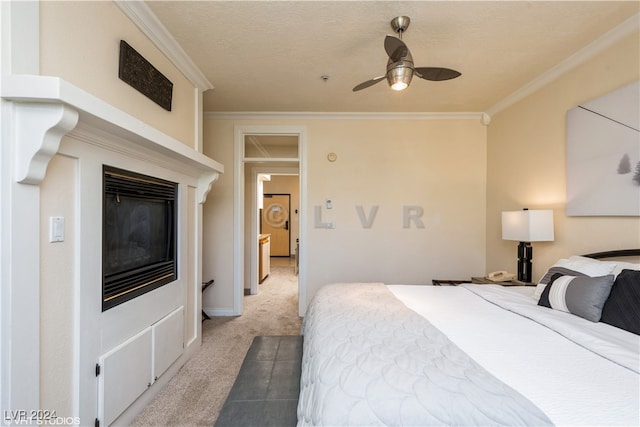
pixel 485 281
pixel 478 281
pixel 442 282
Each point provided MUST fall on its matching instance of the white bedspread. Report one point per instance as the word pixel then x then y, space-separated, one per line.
pixel 370 360
pixel 568 380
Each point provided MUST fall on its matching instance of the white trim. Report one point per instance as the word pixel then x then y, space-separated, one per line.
pixel 20 37
pixel 238 213
pixel 238 220
pixel 623 30
pixel 197 274
pixel 35 90
pixel 39 130
pixel 301 115
pixel 219 312
pixel 302 232
pixel 253 245
pixel 141 15
pixel 198 122
pixel 19 226
pixel 271 160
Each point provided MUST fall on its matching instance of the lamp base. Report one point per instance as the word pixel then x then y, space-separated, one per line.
pixel 525 255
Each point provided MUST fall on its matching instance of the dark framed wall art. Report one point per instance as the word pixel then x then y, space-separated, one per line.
pixel 136 71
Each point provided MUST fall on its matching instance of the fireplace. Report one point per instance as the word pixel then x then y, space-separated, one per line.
pixel 60 137
pixel 138 235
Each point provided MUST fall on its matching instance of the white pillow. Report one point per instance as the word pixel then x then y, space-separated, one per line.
pixel 591 267
pixel 617 266
pixel 620 265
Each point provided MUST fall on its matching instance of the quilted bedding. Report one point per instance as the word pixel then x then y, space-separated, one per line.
pixel 370 360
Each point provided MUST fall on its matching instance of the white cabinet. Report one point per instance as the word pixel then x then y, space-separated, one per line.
pixel 264 264
pixel 127 370
pixel 123 376
pixel 168 342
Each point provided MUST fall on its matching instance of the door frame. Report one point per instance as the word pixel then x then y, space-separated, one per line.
pixel 240 131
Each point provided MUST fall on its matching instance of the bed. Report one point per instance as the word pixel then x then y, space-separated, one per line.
pixel 381 354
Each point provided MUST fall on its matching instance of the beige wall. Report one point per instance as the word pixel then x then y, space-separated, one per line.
pixel 80 42
pixel 57 270
pixel 217 220
pixel 438 165
pixel 526 163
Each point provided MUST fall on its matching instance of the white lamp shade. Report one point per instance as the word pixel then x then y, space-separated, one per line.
pixel 528 225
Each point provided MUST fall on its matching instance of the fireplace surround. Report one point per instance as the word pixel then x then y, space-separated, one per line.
pixel 138 235
pixel 56 140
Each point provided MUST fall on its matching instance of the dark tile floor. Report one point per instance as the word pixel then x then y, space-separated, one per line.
pixel 266 390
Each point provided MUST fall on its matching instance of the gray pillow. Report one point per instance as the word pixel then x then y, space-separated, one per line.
pixel 562 271
pixel 582 296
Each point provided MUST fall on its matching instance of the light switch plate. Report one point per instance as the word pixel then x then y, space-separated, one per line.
pixel 56 229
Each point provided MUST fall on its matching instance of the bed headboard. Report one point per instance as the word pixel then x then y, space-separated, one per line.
pixel 614 254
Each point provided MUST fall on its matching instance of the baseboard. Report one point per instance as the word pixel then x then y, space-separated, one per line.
pixel 223 312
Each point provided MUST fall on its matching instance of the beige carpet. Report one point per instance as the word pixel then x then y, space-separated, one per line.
pixel 196 394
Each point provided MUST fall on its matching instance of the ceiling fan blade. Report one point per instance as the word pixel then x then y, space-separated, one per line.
pixel 368 83
pixel 436 74
pixel 395 48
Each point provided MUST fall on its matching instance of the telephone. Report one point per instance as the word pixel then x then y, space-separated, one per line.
pixel 500 276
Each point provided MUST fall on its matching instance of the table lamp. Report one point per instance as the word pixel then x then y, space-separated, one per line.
pixel 527 226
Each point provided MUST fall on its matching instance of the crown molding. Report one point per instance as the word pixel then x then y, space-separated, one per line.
pixel 627 28
pixel 302 115
pixel 141 15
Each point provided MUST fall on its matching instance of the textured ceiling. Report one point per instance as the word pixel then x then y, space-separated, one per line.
pixel 270 55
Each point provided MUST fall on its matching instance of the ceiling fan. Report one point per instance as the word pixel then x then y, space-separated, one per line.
pixel 400 67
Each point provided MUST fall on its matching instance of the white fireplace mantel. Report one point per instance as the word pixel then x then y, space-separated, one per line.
pixel 46 108
pixel 44 116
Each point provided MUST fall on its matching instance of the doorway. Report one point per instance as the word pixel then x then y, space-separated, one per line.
pixel 257 150
pixel 277 214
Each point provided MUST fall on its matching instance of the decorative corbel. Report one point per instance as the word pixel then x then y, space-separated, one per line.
pixel 204 186
pixel 37 131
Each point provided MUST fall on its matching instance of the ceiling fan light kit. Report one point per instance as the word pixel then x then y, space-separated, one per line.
pixel 400 69
pixel 399 74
